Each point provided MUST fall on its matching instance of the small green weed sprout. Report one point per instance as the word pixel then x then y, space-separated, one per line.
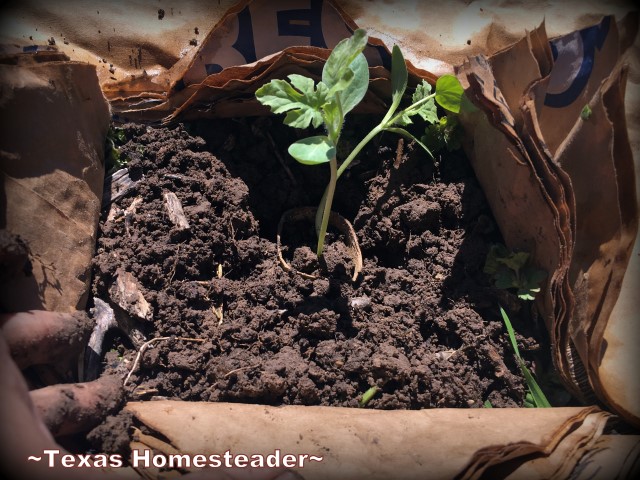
pixel 513 270
pixel 367 396
pixel 115 139
pixel 345 80
pixel 585 113
pixel 446 133
pixel 535 398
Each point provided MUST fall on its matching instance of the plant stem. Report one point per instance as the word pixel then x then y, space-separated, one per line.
pixel 359 147
pixel 327 198
pixel 413 106
pixel 331 188
pixel 383 125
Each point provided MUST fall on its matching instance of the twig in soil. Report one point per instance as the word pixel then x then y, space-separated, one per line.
pixel 129 212
pixel 106 318
pixel 144 391
pixel 399 153
pixel 147 344
pixel 116 186
pixel 236 370
pixel 281 160
pixel 217 311
pixel 175 265
pixel 174 209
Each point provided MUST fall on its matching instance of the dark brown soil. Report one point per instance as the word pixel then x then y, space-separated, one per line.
pixel 421 322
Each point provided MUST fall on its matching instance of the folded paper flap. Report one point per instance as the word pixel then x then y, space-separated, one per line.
pixel 532 58
pixel 600 258
pixel 377 444
pixel 480 86
pixel 563 461
pixel 527 179
pixel 588 147
pixel 560 451
pixel 250 45
pixel 256 29
pixel 55 181
pixel 563 146
pixel 601 344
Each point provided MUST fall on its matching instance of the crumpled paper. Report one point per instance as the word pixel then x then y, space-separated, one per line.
pixel 360 443
pixel 54 123
pixel 550 148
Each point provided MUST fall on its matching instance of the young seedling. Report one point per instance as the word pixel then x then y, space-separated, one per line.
pixel 513 270
pixel 115 139
pixel 446 133
pixel 535 398
pixel 585 113
pixel 367 396
pixel 345 80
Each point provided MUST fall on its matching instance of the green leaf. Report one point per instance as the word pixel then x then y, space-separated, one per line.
pixel 487 404
pixel 526 295
pixel 505 279
pixel 117 135
pixel 343 83
pixel 303 84
pixel 510 331
pixel 304 106
pixel 585 113
pixel 399 77
pixel 515 261
pixel 313 150
pixel 302 118
pixel 279 95
pixel 333 119
pixel 538 398
pixel 529 402
pixel 357 88
pixel 449 93
pixel 403 119
pixel 491 265
pixel 428 110
pixel 446 133
pixel 512 270
pixel 423 90
pixel 341 57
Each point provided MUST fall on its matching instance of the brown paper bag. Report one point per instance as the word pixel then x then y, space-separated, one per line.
pixel 54 125
pixel 254 42
pixel 357 443
pixel 566 120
